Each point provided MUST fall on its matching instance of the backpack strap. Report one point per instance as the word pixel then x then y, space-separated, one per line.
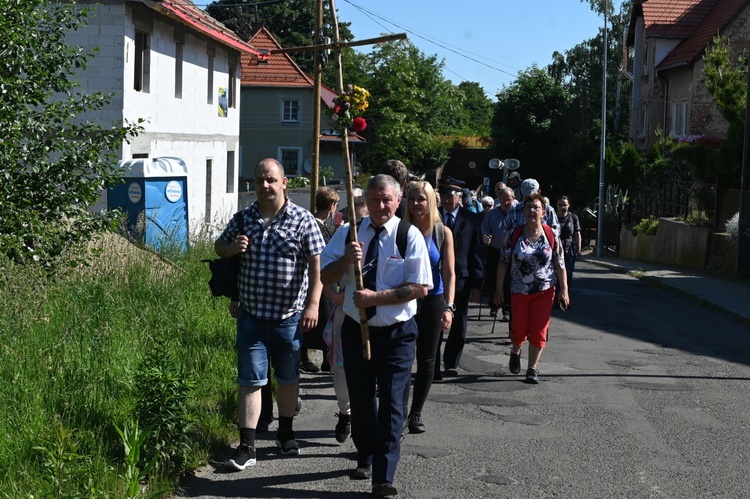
pixel 550 235
pixel 402 236
pixel 547 231
pixel 438 234
pixel 515 235
pixel 238 218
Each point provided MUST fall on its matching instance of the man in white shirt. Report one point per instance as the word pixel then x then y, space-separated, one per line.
pixel 394 280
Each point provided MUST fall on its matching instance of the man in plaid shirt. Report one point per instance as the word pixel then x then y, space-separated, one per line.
pixel 279 285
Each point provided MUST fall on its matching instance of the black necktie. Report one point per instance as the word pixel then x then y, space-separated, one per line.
pixel 370 268
pixel 449 220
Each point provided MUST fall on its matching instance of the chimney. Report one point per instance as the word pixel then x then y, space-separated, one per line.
pixel 255 27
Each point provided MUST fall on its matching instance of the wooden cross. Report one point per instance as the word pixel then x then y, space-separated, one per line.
pixel 337 45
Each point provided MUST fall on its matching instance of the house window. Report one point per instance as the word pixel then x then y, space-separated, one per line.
pixel 678 124
pixel 290 158
pixel 210 83
pixel 643 120
pixel 683 120
pixel 179 49
pixel 230 172
pixel 209 175
pixel 290 111
pixel 232 97
pixel 142 61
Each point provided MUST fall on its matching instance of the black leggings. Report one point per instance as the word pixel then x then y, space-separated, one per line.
pixel 428 322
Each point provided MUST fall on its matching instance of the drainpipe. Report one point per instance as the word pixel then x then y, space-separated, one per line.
pixel 665 81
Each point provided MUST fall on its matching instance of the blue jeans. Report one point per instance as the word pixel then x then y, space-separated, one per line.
pixel 257 339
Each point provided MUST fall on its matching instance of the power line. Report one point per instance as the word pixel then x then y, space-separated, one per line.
pixel 462 53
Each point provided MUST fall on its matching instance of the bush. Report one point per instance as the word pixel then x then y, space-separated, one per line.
pixel 697 218
pixel 646 226
pixel 733 226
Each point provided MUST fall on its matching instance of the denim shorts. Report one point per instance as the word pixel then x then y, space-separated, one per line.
pixel 259 340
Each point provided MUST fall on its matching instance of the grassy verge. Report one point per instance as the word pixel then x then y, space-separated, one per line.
pixel 131 350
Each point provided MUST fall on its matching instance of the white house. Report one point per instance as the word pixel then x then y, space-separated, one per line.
pixel 169 63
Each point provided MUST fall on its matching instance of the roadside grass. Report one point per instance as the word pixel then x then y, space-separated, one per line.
pixel 134 342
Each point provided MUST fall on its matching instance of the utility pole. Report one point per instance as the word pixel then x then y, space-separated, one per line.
pixel 317 84
pixel 601 213
pixel 743 227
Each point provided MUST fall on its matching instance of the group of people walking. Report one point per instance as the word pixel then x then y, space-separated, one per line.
pixel 422 258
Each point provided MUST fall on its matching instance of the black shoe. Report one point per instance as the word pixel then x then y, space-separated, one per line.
pixel 384 489
pixel 451 372
pixel 493 311
pixel 415 423
pixel 515 363
pixel 532 376
pixel 506 317
pixel 438 376
pixel 287 443
pixel 308 367
pixel 243 457
pixel 343 427
pixel 362 473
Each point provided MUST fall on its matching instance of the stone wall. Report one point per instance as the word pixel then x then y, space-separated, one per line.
pixel 679 244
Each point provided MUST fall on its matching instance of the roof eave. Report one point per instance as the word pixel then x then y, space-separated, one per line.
pixel 227 38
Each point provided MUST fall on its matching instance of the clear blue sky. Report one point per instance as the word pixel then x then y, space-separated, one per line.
pixel 485 41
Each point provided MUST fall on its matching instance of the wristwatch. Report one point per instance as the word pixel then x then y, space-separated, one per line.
pixel 451 307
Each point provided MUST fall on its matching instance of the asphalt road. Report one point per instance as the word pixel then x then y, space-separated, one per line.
pixel 643 394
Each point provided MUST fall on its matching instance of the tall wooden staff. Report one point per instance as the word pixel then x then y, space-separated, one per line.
pixel 351 212
pixel 337 45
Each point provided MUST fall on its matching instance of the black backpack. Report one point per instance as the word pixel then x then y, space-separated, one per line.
pixel 225 271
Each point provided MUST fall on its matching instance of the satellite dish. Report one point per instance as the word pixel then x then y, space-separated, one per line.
pixel 308 165
pixel 495 164
pixel 512 164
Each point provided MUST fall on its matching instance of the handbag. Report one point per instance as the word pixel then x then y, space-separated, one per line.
pixel 225 272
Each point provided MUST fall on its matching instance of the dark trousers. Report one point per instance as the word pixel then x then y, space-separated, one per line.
pixel 491 260
pixel 454 345
pixel 377 423
pixel 428 323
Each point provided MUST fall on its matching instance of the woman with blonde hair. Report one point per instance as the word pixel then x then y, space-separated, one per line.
pixel 436 309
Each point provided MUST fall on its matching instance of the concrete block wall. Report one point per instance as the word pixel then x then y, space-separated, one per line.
pixel 187 127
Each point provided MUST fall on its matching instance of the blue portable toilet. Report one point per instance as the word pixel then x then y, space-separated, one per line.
pixel 153 196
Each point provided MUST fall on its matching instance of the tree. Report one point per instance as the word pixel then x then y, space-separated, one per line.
pixel 532 123
pixel 725 78
pixel 291 22
pixel 412 106
pixel 476 116
pixel 53 164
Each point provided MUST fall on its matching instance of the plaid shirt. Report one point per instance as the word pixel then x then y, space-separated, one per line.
pixel 273 271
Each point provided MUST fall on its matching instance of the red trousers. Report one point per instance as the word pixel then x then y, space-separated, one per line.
pixel 529 318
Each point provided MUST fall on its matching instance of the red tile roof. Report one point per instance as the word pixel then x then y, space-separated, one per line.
pixel 691 22
pixel 674 18
pixel 187 13
pixel 710 24
pixel 280 71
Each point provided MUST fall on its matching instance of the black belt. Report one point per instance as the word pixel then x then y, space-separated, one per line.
pixel 384 329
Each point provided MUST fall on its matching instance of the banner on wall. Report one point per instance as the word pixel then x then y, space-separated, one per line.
pixel 223 107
